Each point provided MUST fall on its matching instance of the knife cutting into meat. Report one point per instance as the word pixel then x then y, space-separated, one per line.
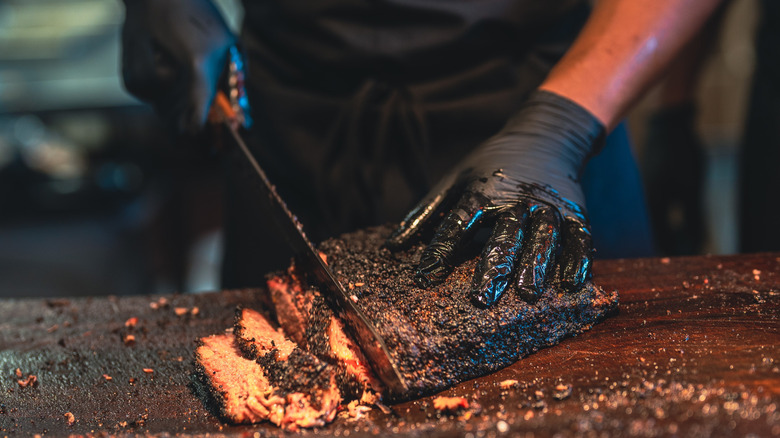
pixel 231 110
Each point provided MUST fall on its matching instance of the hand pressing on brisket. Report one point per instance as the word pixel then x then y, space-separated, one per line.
pixel 524 182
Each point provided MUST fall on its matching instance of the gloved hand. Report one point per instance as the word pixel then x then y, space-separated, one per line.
pixel 524 181
pixel 173 53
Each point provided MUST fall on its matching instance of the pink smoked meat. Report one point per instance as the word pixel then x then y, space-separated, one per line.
pixel 285 385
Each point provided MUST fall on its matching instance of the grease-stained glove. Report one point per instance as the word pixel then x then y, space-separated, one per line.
pixel 525 182
pixel 173 53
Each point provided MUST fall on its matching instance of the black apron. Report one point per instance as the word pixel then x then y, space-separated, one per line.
pixel 361 105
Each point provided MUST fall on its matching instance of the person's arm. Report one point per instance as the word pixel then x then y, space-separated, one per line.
pixel 623 49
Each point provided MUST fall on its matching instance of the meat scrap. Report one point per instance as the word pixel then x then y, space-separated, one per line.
pixel 450 404
pixel 31 381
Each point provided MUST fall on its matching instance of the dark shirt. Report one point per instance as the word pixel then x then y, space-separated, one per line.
pixel 407 40
pixel 361 105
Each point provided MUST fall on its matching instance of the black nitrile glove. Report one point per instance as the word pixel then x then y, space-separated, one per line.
pixel 673 168
pixel 524 181
pixel 173 53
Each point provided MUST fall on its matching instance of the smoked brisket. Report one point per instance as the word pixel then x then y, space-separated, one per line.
pixel 298 374
pixel 437 337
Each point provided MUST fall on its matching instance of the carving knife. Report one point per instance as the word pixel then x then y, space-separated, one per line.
pixel 231 112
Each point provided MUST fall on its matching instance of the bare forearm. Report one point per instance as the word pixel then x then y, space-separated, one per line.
pixel 622 50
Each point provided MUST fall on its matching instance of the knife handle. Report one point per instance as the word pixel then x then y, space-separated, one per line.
pixel 221 111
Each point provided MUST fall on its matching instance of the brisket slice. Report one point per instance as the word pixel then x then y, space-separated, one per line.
pixel 256 337
pixel 327 339
pixel 291 303
pixel 437 337
pixel 284 384
pixel 323 334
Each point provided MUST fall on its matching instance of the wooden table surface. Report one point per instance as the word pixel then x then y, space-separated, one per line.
pixel 694 351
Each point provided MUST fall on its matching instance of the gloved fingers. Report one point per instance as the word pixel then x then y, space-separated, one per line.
pixel 421 215
pixel 498 258
pixel 436 260
pixel 537 255
pixel 576 254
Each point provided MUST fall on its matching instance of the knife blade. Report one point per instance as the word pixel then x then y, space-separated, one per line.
pixel 363 331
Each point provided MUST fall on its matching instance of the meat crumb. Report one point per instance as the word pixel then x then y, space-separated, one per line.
pixel 31 381
pixel 665 260
pixel 356 410
pixel 159 304
pixel 181 311
pixel 508 384
pixel 131 322
pixel 19 373
pixel 70 418
pixel 359 284
pixel 107 377
pixel 129 340
pixel 562 391
pixel 148 370
pixel 450 404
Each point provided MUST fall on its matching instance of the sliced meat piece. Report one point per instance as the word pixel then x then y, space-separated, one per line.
pixel 292 372
pixel 238 385
pixel 298 391
pixel 326 339
pixel 292 303
pixel 356 367
pixel 332 354
pixel 256 337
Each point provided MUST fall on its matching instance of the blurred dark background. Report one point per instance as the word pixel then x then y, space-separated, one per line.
pixel 95 198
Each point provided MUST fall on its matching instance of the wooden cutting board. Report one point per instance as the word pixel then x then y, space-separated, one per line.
pixel 694 351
